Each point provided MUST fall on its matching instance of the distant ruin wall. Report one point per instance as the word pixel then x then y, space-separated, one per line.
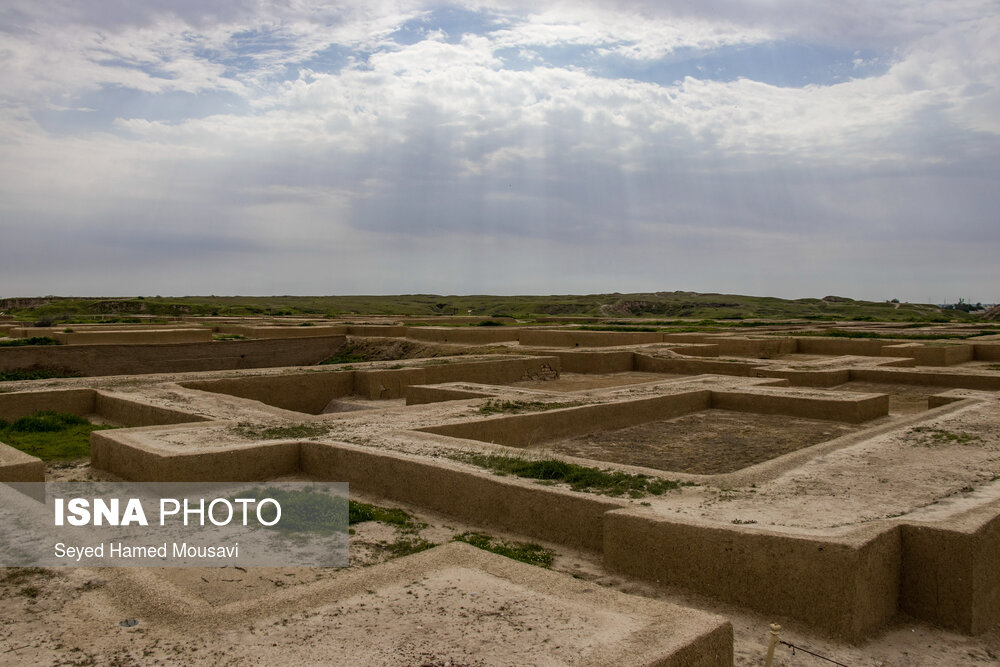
pixel 466 336
pixel 564 338
pixel 178 357
pixel 539 427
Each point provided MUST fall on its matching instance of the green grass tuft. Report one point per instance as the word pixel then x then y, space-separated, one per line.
pixel 526 552
pixel 34 340
pixel 345 355
pixel 36 373
pixel 579 478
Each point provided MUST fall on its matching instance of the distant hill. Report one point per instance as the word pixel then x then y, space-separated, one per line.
pixel 605 306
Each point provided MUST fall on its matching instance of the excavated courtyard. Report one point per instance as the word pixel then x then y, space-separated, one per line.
pixel 847 489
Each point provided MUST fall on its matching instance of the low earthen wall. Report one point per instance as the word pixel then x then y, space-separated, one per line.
pixel 247 464
pixel 422 394
pixel 851 408
pixel 590 362
pixel 178 357
pixel 301 392
pixel 928 378
pixel 15 405
pixel 468 336
pixel 16 466
pixel 564 338
pixel 950 575
pixel 127 412
pixel 284 332
pixel 697 350
pixel 529 429
pixel 986 352
pixel 840 346
pixel 810 378
pixel 931 355
pixel 134 337
pixel 755 347
pixel 572 519
pixel 845 586
pixel 650 364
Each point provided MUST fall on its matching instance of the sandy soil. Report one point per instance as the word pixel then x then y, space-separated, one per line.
pixel 71 616
pixel 569 382
pixel 704 443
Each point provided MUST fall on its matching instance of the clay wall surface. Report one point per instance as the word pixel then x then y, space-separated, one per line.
pixel 929 378
pixel 807 378
pixel 590 362
pixel 539 427
pixel 423 394
pixel 140 336
pixel 931 355
pixel 568 338
pixel 270 332
pixel 950 575
pixel 851 408
pixel 15 405
pixel 308 392
pixel 128 412
pixel 840 346
pixel 243 464
pixel 650 364
pixel 559 516
pixel 986 352
pixel 845 586
pixel 468 336
pixel 755 347
pixel 16 466
pixel 697 349
pixel 178 357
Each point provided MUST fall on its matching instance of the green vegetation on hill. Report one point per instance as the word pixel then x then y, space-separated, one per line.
pixel 652 304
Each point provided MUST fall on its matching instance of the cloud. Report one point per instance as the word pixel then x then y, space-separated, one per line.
pixel 409 135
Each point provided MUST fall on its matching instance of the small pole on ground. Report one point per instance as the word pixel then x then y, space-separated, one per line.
pixel 775 629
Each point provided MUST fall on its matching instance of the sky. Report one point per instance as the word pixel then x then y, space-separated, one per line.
pixel 769 147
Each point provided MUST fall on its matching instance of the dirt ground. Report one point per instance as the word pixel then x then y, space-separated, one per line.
pixel 72 616
pixel 569 382
pixel 705 443
pixel 904 399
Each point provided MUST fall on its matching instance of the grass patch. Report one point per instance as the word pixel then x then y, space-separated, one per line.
pixel 345 355
pixel 37 373
pixel 407 540
pixel 361 512
pixel 51 436
pixel 579 478
pixel 494 406
pixel 927 436
pixel 34 340
pixel 526 552
pixel 406 546
pixel 253 431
